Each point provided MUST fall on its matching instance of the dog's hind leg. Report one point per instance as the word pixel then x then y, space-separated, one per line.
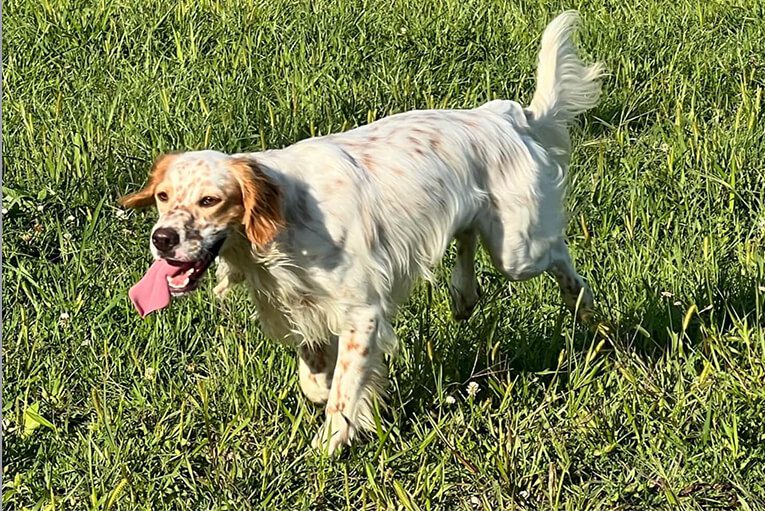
pixel 463 288
pixel 519 259
pixel 572 286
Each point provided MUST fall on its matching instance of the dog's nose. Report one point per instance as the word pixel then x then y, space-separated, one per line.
pixel 165 239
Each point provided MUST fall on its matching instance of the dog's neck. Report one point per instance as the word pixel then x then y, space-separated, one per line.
pixel 286 298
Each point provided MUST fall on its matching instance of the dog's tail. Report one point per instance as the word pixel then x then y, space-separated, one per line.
pixel 565 87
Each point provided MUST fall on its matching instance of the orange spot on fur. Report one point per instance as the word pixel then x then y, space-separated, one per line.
pixel 368 163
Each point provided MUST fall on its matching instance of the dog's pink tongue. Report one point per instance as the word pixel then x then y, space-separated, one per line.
pixel 153 292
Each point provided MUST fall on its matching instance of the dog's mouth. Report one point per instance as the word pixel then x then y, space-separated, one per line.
pixel 189 273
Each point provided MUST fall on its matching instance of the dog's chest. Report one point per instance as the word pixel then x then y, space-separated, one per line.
pixel 290 307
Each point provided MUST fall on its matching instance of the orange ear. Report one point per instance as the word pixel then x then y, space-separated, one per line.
pixel 262 199
pixel 145 197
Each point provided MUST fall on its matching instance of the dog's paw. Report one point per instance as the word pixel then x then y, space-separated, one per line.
pixel 221 289
pixel 336 432
pixel 463 302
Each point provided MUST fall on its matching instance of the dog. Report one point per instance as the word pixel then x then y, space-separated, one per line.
pixel 329 234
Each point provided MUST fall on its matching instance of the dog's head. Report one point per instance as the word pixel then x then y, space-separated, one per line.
pixel 203 198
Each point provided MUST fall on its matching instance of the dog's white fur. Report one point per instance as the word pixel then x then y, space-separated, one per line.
pixel 368 211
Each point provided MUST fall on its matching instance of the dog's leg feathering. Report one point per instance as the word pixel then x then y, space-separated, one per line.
pixel 316 365
pixel 358 379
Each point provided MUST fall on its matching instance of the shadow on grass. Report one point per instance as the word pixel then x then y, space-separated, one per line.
pixel 494 344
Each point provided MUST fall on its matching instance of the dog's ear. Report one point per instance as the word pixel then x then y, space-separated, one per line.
pixel 145 197
pixel 262 201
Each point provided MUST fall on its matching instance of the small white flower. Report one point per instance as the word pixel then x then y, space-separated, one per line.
pixel 120 213
pixel 664 147
pixel 472 389
pixel 70 218
pixel 666 294
pixel 149 373
pixel 40 208
pixel 5 211
pixel 67 236
pixel 450 400
pixel 761 288
pixel 63 318
pixel 402 31
pixel 523 494
pixel 475 501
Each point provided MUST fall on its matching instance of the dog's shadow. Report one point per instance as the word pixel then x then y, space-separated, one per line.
pixel 495 343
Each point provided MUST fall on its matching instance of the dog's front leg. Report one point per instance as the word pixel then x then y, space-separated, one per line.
pixel 358 378
pixel 226 276
pixel 316 365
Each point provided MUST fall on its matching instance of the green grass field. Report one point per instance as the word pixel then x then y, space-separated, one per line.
pixel 663 407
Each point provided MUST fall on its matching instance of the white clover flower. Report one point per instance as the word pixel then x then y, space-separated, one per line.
pixel 121 214
pixel 475 501
pixel 40 208
pixel 149 373
pixel 664 147
pixel 472 389
pixel 63 318
pixel 450 400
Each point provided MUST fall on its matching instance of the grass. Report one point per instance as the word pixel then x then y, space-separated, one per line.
pixel 663 408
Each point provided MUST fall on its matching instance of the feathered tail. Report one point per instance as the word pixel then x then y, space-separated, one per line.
pixel 565 87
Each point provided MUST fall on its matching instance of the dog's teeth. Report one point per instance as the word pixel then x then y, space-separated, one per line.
pixel 178 286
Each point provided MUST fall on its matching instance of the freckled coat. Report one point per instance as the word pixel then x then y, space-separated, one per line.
pixel 369 210
pixel 333 230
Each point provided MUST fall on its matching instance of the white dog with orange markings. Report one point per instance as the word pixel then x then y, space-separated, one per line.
pixel 329 234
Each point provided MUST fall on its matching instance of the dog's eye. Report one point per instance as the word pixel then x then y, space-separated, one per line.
pixel 162 196
pixel 206 202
